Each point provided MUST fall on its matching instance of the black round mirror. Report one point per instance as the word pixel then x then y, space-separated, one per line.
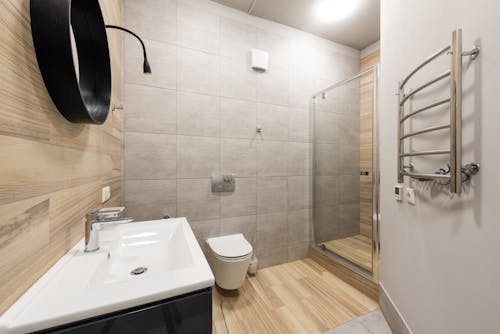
pixel 73 56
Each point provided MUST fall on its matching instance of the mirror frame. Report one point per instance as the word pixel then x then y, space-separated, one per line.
pixel 83 99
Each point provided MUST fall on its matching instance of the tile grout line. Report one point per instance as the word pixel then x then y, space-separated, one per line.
pixel 219 31
pixel 176 109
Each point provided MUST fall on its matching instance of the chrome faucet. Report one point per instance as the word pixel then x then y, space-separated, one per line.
pixel 95 220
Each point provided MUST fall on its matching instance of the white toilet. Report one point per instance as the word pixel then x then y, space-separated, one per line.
pixel 230 257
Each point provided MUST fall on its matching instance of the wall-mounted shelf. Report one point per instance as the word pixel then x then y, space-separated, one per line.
pixel 454 176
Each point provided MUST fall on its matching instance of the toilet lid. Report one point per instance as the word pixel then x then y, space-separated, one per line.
pixel 234 245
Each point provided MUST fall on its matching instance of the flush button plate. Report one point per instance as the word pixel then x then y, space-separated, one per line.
pixel 223 183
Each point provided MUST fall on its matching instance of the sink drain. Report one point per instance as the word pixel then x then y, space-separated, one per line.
pixel 138 271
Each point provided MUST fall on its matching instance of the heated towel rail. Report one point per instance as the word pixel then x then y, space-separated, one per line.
pixel 454 177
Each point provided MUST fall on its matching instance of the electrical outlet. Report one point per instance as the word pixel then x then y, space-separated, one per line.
pixel 105 194
pixel 410 196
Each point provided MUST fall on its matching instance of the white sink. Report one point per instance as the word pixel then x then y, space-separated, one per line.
pixel 167 257
pixel 158 246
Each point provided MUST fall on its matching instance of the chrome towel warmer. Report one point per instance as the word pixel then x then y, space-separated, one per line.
pixel 455 101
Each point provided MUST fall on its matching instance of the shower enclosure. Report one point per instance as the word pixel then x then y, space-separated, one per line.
pixel 345 179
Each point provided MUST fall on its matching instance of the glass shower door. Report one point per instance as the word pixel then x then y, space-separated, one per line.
pixel 344 170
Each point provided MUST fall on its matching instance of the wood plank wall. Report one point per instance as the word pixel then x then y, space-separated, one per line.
pixel 365 153
pixel 51 171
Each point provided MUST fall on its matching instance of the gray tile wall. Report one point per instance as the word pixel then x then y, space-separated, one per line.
pixel 336 155
pixel 197 114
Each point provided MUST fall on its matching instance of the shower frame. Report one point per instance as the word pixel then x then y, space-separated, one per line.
pixel 374 274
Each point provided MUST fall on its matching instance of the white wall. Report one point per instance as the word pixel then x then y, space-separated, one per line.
pixel 440 259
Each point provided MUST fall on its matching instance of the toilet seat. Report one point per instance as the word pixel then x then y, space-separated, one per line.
pixel 233 259
pixel 232 247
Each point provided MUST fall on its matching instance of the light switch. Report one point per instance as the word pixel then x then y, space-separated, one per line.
pixel 398 192
pixel 105 194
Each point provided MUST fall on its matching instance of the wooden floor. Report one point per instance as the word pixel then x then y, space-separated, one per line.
pixel 296 297
pixel 357 249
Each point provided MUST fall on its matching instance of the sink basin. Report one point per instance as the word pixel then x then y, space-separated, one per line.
pixel 136 264
pixel 159 247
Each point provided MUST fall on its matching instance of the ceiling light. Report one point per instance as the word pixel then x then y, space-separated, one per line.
pixel 329 11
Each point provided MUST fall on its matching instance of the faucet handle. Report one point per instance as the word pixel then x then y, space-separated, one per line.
pixel 92 217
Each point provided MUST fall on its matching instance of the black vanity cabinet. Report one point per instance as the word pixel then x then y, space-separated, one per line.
pixel 186 314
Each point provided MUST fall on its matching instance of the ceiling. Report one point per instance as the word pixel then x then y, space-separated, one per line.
pixel 359 30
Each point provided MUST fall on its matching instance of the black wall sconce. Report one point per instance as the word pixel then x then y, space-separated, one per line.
pixel 82 94
pixel 146 66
